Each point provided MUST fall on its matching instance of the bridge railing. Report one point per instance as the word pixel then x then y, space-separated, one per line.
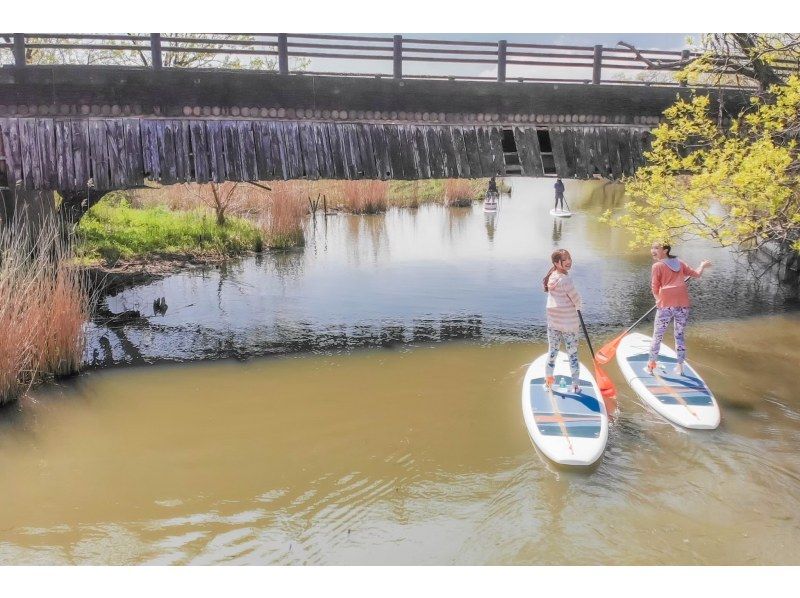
pixel 273 51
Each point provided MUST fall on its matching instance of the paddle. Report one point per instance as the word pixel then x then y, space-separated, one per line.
pixel 607 351
pixel 607 388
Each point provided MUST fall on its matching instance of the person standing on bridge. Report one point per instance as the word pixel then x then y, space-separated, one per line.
pixel 559 187
pixel 563 303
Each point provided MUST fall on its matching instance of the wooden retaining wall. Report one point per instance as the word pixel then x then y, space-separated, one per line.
pixel 65 154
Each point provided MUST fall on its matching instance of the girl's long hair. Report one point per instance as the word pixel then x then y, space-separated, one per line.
pixel 557 256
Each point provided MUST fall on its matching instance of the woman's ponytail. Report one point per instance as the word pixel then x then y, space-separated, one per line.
pixel 556 257
pixel 547 277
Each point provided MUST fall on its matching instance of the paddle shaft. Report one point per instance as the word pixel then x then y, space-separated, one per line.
pixel 585 332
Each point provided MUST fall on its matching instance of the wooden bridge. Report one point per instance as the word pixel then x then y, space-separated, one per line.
pixel 74 128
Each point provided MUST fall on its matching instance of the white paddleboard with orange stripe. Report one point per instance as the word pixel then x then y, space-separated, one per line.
pixel 684 400
pixel 569 428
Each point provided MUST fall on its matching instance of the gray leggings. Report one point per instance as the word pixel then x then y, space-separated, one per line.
pixel 570 340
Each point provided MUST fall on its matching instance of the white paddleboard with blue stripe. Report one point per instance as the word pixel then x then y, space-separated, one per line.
pixel 684 400
pixel 569 428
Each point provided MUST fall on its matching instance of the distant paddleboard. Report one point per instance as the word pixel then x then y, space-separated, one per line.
pixel 560 213
pixel 684 400
pixel 569 428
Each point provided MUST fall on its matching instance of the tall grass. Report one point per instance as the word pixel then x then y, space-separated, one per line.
pixel 364 197
pixel 459 192
pixel 282 222
pixel 44 303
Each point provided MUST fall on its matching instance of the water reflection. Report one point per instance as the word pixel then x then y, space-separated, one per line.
pixel 361 278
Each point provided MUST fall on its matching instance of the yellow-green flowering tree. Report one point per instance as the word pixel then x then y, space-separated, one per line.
pixel 737 185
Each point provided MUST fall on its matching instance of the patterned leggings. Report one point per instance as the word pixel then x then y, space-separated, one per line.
pixel 663 317
pixel 570 339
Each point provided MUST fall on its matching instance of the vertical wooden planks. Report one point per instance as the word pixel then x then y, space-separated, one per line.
pixel 79 130
pixel 183 150
pixel 532 142
pixel 380 146
pixel 247 150
pixel 200 154
pixel 292 150
pixel 31 169
pixel 232 147
pixel 366 151
pixel 166 152
pixel 46 140
pixel 473 153
pixel 615 163
pixel 625 152
pixel 324 155
pixel 462 160
pixel 448 151
pixel 394 148
pixel 116 152
pixel 572 153
pixel 308 151
pixel 216 150
pixel 423 156
pixel 436 159
pixel 496 144
pixel 65 169
pixel 410 157
pixel 133 152
pixel 559 155
pixel 9 129
pixel 525 159
pixel 583 151
pixel 98 154
pixel 485 151
pixel 150 160
pixel 337 154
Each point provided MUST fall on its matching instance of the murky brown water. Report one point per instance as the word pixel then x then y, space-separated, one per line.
pixel 393 456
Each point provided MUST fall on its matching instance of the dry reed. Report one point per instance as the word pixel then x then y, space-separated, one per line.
pixel 282 220
pixel 364 197
pixel 44 304
pixel 459 192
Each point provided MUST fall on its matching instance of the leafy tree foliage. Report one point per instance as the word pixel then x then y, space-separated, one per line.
pixel 737 185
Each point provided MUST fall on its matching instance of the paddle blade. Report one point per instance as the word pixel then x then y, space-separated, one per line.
pixel 607 351
pixel 607 389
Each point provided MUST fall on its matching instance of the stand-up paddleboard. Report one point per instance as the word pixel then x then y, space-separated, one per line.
pixel 569 428
pixel 684 400
pixel 490 202
pixel 560 213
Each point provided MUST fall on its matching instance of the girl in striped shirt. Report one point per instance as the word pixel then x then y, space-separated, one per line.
pixel 563 301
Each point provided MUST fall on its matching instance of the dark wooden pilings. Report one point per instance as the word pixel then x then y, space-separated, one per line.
pixel 283 54
pixel 397 57
pixel 597 67
pixel 19 50
pixel 155 51
pixel 73 154
pixel 502 52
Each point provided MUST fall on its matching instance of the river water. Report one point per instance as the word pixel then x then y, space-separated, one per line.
pixel 386 425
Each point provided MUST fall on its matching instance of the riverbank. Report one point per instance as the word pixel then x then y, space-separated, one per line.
pixel 134 237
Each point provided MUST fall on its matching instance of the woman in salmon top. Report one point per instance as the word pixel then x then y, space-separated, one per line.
pixel 563 301
pixel 672 299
